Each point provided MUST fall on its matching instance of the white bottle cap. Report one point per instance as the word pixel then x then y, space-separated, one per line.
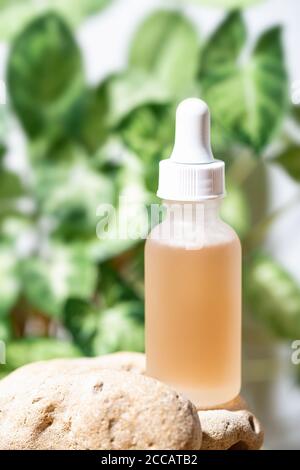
pixel 191 173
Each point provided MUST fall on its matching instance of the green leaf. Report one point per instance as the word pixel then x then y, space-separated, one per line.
pixel 5 331
pixel 9 282
pixel 11 188
pixel 131 271
pixel 45 73
pixel 4 118
pixel 88 120
pixel 10 185
pixel 290 161
pixel 235 210
pixel 14 229
pixel 296 113
pixel 2 152
pixel 130 90
pixel 66 271
pixel 114 284
pixel 166 46
pixel 101 109
pixel 104 250
pixel 120 329
pixel 123 228
pixel 224 46
pixel 248 98
pixel 81 320
pixel 149 133
pixel 273 296
pixel 27 350
pixel 70 193
pixel 15 14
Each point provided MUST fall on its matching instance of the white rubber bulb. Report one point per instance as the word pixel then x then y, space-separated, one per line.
pixel 192 135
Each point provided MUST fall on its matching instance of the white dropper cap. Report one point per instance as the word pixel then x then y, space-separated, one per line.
pixel 191 173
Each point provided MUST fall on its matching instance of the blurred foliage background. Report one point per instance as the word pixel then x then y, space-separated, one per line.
pixel 64 292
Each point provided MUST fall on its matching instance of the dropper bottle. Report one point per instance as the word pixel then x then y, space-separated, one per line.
pixel 193 272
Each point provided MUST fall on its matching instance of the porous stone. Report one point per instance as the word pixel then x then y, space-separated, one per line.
pixel 230 427
pixel 44 407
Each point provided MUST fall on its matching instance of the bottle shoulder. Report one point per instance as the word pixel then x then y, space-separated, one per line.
pixel 210 233
pixel 227 231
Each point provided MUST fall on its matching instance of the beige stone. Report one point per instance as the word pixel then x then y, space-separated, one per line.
pixel 55 406
pixel 49 398
pixel 231 426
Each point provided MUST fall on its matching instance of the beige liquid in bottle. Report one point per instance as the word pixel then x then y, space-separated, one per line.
pixel 193 318
pixel 193 281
